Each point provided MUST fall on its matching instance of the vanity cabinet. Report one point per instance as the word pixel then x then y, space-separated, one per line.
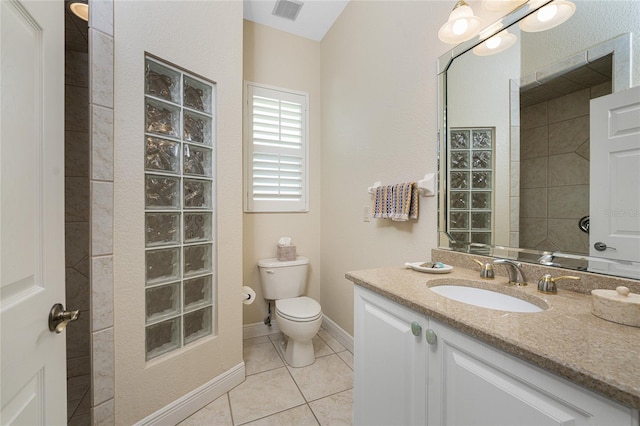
pixel 389 378
pixel 400 379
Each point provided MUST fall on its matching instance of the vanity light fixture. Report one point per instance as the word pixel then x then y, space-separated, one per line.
pixel 548 16
pixel 81 10
pixel 501 5
pixel 496 44
pixel 462 25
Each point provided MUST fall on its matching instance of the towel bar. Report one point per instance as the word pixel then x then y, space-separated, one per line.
pixel 426 186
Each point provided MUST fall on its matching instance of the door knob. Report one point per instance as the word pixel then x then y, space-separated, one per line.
pixel 59 318
pixel 416 329
pixel 600 246
pixel 431 336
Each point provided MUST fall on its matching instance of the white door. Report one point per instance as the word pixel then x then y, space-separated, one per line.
pixel 389 383
pixel 31 211
pixel 614 229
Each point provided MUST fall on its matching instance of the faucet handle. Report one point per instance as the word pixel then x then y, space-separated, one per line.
pixel 486 269
pixel 547 284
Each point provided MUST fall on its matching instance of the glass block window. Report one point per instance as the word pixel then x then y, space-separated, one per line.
pixel 470 197
pixel 179 153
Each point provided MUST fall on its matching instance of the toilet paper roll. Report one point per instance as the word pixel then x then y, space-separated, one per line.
pixel 248 295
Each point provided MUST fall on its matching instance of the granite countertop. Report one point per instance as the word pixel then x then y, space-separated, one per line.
pixel 565 339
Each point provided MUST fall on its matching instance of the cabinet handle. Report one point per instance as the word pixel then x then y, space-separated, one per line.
pixel 416 329
pixel 431 337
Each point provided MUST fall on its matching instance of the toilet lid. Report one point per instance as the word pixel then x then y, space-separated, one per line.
pixel 298 308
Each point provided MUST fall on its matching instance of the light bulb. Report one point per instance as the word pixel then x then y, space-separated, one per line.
pixel 547 13
pixel 460 26
pixel 494 42
pixel 548 16
pixel 81 10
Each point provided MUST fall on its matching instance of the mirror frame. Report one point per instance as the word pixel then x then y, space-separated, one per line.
pixel 443 64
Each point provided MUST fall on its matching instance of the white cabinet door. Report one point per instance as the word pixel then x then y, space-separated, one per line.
pixel 614 230
pixel 390 362
pixel 471 383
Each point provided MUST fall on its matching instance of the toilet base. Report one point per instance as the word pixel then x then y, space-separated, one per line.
pixel 299 347
pixel 298 354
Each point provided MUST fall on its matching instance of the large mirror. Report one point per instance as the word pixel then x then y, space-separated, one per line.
pixel 521 174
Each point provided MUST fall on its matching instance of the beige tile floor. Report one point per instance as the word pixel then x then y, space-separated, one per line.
pixel 277 394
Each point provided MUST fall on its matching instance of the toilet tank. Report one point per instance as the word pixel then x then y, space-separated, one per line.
pixel 282 280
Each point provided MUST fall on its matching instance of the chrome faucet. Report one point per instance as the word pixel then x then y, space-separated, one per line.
pixel 516 274
pixel 547 259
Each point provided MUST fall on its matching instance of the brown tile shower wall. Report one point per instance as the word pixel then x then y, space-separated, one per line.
pixel 101 201
pixel 77 218
pixel 554 171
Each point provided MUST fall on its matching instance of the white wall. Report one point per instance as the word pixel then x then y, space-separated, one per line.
pixel 487 78
pixel 280 59
pixel 205 38
pixel 379 99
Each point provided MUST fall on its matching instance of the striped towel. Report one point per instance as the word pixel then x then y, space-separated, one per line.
pixel 382 202
pixel 396 202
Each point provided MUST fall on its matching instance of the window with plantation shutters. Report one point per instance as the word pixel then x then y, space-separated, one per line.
pixel 275 150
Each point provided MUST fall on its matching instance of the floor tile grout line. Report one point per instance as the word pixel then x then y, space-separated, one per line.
pixel 273 414
pixel 314 414
pixel 330 395
pixel 264 371
pixel 275 342
pixel 230 409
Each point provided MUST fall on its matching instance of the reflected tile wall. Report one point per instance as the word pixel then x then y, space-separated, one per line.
pixel 554 172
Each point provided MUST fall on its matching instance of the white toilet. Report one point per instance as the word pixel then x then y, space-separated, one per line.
pixel 299 317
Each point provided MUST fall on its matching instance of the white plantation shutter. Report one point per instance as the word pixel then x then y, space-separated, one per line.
pixel 275 150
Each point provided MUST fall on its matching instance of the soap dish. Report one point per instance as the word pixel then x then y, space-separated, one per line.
pixel 430 268
pixel 619 306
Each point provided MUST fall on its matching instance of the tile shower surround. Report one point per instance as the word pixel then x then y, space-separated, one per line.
pixel 77 262
pixel 96 153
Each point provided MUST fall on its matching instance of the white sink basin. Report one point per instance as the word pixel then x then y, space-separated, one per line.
pixel 485 298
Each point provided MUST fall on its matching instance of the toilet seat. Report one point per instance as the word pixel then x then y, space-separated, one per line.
pixel 299 309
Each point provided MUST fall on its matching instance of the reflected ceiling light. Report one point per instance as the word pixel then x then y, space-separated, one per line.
pixel 491 30
pixel 496 44
pixel 81 10
pixel 548 16
pixel 461 26
pixel 501 5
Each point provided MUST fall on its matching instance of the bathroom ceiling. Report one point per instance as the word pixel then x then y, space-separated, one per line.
pixel 314 20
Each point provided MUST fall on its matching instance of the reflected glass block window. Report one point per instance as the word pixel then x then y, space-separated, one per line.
pixel 470 176
pixel 179 158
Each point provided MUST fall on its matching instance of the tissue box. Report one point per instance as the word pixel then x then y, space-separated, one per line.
pixel 286 253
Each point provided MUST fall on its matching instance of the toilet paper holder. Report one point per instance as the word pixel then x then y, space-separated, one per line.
pixel 248 295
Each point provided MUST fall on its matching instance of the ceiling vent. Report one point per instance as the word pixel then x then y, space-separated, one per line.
pixel 288 9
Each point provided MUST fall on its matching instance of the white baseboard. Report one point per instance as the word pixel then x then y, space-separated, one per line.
pixel 259 329
pixel 198 398
pixel 338 333
pixel 195 400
